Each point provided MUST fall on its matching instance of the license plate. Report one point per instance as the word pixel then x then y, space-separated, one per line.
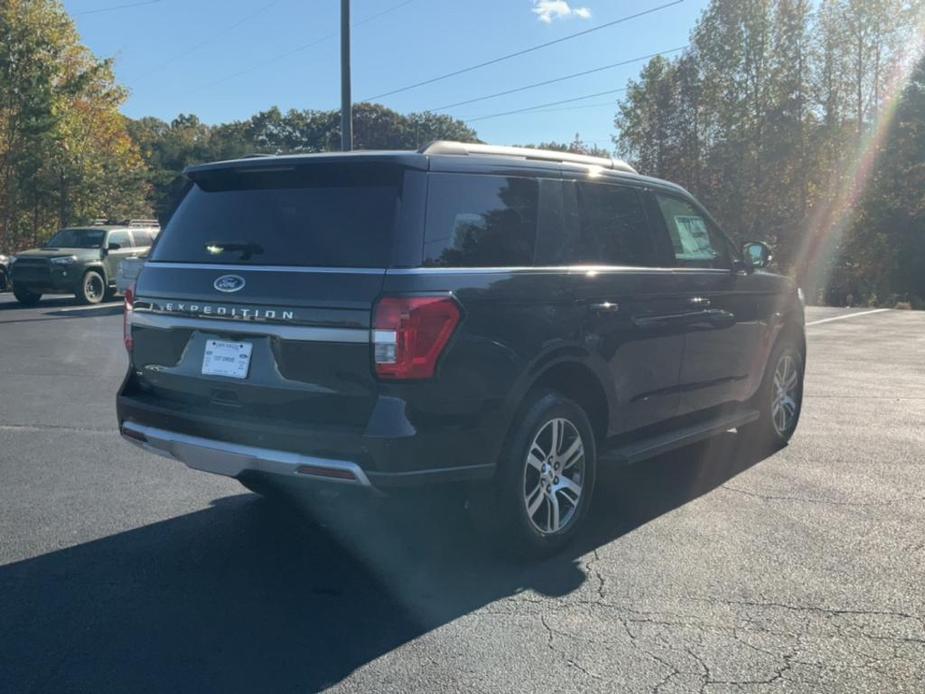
pixel 230 359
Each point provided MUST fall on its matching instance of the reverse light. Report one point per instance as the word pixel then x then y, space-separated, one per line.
pixel 127 318
pixel 410 333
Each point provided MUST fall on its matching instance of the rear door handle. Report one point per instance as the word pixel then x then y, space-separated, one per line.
pixel 605 307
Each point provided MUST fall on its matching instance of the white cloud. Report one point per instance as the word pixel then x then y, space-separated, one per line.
pixel 548 10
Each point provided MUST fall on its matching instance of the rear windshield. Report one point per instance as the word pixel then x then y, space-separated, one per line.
pixel 321 217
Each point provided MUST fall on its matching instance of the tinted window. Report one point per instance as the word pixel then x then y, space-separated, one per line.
pixel 611 229
pixel 120 237
pixel 77 238
pixel 696 242
pixel 142 237
pixel 480 221
pixel 325 216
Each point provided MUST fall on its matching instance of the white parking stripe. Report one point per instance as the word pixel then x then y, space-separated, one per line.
pixel 847 315
pixel 90 308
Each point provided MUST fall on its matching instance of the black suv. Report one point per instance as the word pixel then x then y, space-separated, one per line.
pixel 80 260
pixel 505 317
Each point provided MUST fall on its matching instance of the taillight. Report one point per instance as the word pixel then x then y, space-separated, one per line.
pixel 127 318
pixel 409 334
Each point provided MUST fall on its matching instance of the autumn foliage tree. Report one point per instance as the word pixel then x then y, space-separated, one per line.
pixel 65 153
pixel 168 148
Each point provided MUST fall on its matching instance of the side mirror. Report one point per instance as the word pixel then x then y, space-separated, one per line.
pixel 113 246
pixel 757 254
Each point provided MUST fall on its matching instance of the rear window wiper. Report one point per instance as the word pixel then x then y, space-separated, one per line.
pixel 245 249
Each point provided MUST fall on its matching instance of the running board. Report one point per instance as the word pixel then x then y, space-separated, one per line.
pixel 649 448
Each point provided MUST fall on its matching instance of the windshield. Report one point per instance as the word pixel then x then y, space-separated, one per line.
pixel 77 238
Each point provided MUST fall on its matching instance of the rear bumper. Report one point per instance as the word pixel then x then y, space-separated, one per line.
pixel 232 460
pixel 215 444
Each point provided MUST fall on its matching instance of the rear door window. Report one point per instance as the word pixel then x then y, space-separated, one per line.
pixel 613 228
pixel 321 216
pixel 121 237
pixel 480 221
pixel 142 238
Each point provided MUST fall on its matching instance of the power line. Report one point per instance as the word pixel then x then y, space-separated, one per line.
pixel 573 108
pixel 557 79
pixel 524 51
pixel 113 8
pixel 204 42
pixel 299 49
pixel 540 106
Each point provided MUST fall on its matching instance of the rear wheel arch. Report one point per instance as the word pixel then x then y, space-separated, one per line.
pixel 580 384
pixel 96 267
pixel 793 330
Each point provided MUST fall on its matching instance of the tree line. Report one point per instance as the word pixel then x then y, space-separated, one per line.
pixel 68 156
pixel 797 122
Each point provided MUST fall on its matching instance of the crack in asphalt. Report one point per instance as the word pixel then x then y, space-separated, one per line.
pixel 655 646
pixel 596 573
pixel 550 633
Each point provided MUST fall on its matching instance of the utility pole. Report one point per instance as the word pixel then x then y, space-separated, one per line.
pixel 346 106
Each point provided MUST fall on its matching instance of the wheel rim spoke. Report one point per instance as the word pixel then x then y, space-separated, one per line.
pixel 535 499
pixel 535 457
pixel 569 489
pixel 572 455
pixel 553 523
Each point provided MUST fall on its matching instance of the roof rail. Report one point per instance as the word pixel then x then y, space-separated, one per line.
pixel 126 222
pixel 467 148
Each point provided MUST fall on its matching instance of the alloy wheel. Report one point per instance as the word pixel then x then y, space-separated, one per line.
pixel 785 402
pixel 554 476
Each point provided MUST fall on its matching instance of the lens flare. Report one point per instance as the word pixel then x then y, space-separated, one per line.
pixel 820 248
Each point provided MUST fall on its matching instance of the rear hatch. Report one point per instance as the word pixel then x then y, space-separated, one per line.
pixel 255 303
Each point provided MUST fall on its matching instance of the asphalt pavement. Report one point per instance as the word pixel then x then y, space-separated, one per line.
pixel 707 570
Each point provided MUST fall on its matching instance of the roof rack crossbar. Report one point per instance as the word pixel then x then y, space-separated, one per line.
pixel 467 148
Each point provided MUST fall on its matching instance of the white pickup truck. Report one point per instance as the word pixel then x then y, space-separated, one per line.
pixel 128 272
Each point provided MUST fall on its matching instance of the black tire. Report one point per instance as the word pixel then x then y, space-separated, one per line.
pixel 4 281
pixel 25 297
pixel 771 430
pixel 92 288
pixel 519 480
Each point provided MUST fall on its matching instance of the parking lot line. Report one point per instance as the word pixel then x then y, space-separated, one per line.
pixel 90 308
pixel 847 315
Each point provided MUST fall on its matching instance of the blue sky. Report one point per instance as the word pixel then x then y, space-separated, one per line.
pixel 227 59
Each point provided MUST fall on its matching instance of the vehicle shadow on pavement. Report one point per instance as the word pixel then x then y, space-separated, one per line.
pixel 247 596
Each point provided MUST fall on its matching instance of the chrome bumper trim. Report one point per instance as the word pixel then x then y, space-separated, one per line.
pixel 231 459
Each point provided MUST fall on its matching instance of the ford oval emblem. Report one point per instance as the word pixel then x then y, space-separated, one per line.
pixel 229 283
